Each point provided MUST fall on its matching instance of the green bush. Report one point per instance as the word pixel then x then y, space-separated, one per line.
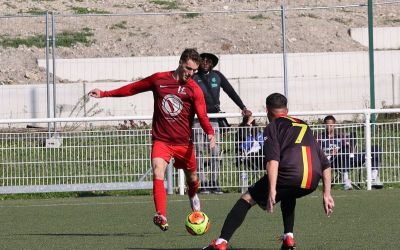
pixel 64 39
pixel 168 5
pixel 120 25
pixel 84 10
pixel 191 15
pixel 33 11
pixel 257 17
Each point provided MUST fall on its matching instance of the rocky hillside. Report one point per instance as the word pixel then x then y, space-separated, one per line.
pixel 87 28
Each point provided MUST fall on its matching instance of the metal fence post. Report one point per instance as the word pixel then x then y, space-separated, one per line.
pixel 368 148
pixel 181 178
pixel 170 180
pixel 47 69
pixel 371 58
pixel 53 48
pixel 285 80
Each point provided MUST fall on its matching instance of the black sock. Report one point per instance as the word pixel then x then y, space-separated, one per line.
pixel 234 219
pixel 288 212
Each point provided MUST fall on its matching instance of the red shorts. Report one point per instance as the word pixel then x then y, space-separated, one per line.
pixel 183 154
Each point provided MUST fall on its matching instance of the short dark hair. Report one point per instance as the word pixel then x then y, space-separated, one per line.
pixel 190 54
pixel 329 117
pixel 276 101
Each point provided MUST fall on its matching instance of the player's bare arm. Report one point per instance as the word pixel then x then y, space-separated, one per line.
pixel 328 201
pixel 201 111
pixel 272 172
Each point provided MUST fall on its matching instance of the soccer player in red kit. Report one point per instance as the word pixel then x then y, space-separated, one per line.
pixel 177 98
pixel 295 165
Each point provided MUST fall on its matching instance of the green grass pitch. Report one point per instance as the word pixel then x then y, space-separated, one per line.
pixel 361 220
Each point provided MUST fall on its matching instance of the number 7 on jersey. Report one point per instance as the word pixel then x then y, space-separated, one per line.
pixel 302 131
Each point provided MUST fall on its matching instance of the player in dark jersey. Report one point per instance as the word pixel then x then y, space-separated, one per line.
pixel 295 165
pixel 177 98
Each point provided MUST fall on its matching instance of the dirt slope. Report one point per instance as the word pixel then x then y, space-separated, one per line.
pixel 232 27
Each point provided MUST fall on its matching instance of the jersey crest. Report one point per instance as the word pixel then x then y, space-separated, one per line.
pixel 172 105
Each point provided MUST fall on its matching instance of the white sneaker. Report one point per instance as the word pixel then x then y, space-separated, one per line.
pixel 347 185
pixel 195 203
pixel 376 183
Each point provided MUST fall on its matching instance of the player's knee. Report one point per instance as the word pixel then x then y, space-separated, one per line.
pixel 193 177
pixel 158 173
pixel 158 176
pixel 159 166
pixel 247 197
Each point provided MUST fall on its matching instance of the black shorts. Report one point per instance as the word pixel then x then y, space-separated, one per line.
pixel 259 192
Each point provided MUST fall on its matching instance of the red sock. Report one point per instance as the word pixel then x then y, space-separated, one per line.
pixel 193 187
pixel 160 197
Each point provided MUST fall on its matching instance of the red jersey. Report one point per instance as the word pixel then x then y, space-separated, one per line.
pixel 175 105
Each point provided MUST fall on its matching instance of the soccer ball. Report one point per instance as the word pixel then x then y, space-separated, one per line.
pixel 197 223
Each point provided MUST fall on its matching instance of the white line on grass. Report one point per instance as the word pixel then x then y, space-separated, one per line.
pixel 134 202
pixel 93 204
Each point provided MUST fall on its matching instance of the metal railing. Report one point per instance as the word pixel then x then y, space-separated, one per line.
pixel 115 157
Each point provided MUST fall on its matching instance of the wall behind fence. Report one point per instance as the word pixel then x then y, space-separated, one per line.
pixel 326 68
pixel 314 84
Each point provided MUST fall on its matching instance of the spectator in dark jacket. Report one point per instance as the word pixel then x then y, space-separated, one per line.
pixel 211 81
pixel 250 141
pixel 340 147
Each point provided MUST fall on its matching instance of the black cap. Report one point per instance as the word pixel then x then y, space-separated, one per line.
pixel 213 58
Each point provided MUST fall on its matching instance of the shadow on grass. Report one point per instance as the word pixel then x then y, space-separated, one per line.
pixel 126 235
pixel 163 248
pixel 241 248
pixel 91 234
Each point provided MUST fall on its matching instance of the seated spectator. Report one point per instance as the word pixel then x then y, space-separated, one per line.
pixel 250 143
pixel 340 150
